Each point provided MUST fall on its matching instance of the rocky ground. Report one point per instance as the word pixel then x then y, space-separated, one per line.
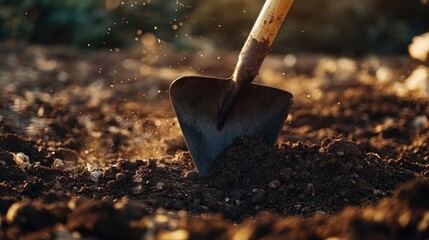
pixel 90 149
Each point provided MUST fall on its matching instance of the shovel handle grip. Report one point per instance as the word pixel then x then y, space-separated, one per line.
pixel 259 41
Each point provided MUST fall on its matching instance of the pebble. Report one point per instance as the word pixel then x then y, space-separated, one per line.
pixel 339 147
pixel 159 185
pixel 137 178
pixel 120 176
pixel 138 190
pixel 58 163
pixel 420 122
pixel 21 159
pixel 320 213
pixel 274 184
pixel 94 175
pixel 111 183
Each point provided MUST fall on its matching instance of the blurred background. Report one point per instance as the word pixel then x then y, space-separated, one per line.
pixel 330 26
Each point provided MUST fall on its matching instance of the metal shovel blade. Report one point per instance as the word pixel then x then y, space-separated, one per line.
pixel 260 112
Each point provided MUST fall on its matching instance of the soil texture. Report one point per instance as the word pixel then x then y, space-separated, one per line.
pixel 90 149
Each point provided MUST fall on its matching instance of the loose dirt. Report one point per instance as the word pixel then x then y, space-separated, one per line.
pixel 90 148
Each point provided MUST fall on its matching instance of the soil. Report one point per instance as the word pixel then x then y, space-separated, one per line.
pixel 90 149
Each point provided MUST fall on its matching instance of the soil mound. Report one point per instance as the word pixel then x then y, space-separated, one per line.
pixel 301 179
pixel 248 178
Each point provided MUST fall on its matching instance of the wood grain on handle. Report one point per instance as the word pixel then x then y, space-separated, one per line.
pixel 258 43
pixel 252 55
pixel 270 20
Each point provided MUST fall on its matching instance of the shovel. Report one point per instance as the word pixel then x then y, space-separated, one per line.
pixel 213 112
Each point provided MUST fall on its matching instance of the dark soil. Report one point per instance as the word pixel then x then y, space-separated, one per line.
pixel 90 148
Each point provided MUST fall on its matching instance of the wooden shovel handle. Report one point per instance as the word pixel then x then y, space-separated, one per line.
pixel 259 41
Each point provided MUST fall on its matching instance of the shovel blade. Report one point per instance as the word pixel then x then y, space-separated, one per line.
pixel 260 112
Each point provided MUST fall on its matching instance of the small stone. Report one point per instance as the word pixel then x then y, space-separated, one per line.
pixel 95 175
pixel 378 192
pixel 58 163
pixel 159 185
pixel 339 147
pixel 420 122
pixel 137 178
pixel 21 159
pixel 320 213
pixel 111 183
pixel 297 206
pixel 255 190
pixel 274 184
pixel 138 190
pixel 120 176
